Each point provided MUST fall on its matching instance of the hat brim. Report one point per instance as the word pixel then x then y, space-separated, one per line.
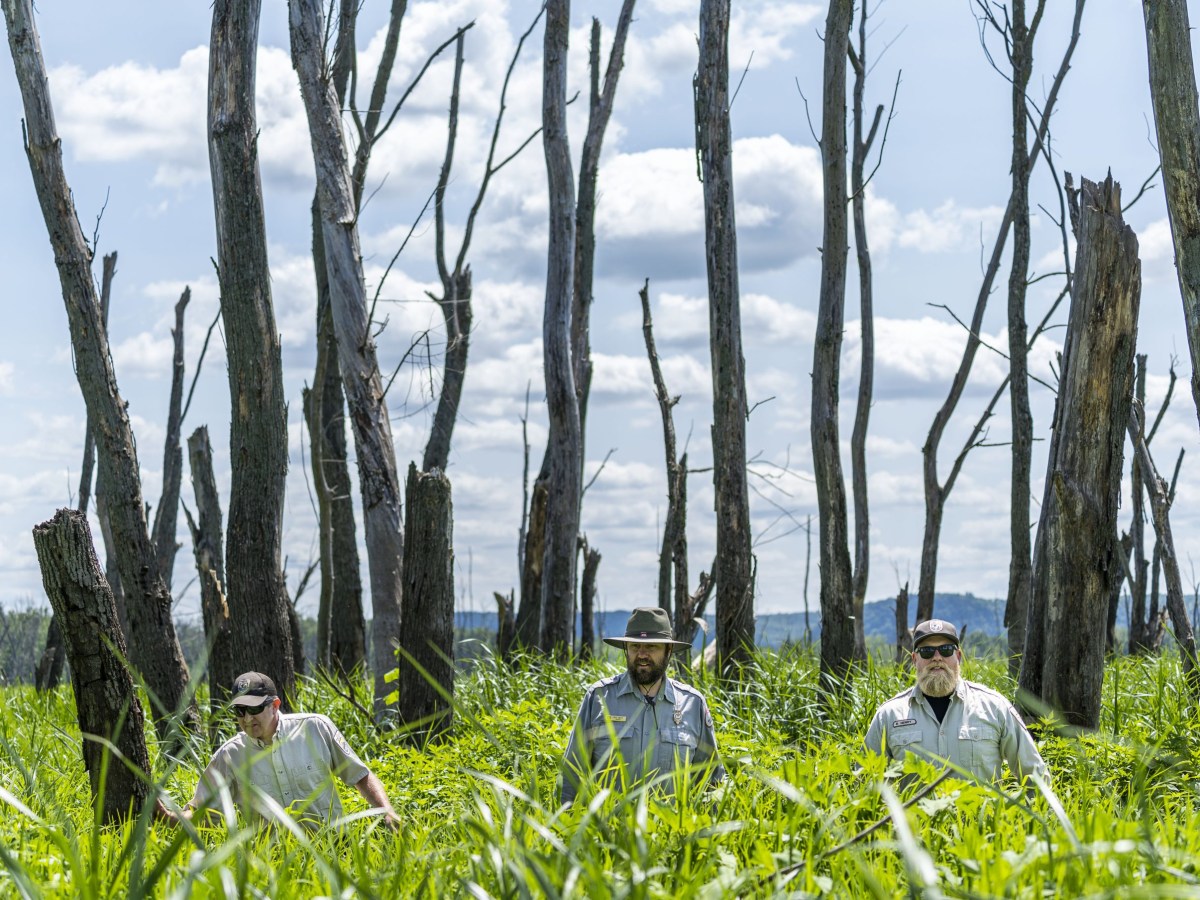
pixel 620 642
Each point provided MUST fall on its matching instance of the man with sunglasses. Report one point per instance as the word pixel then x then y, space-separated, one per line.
pixel 288 758
pixel 945 717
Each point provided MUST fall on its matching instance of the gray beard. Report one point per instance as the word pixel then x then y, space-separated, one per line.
pixel 937 682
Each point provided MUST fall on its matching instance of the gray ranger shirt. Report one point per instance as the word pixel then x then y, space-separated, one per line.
pixel 677 729
pixel 980 729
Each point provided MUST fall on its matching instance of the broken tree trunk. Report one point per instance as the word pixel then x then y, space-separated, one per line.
pixel 1076 557
pixel 427 644
pixel 587 600
pixel 110 713
pixel 167 514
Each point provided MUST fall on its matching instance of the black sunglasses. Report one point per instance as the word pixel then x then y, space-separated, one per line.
pixel 240 711
pixel 945 650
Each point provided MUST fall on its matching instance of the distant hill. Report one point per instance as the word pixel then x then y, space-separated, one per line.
pixel 978 614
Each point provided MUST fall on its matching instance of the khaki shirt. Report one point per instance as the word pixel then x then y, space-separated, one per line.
pixel 980 729
pixel 295 770
pixel 676 730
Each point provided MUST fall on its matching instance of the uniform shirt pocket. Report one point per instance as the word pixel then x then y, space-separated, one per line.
pixel 903 741
pixel 980 742
pixel 676 745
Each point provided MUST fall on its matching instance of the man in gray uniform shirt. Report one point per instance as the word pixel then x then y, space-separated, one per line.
pixel 641 721
pixel 291 758
pixel 947 717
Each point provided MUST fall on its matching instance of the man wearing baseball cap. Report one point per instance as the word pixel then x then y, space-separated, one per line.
pixel 945 717
pixel 641 723
pixel 288 758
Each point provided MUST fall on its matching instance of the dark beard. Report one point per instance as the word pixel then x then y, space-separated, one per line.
pixel 650 674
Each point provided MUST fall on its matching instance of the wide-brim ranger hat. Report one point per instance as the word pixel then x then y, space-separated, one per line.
pixel 252 688
pixel 935 628
pixel 647 625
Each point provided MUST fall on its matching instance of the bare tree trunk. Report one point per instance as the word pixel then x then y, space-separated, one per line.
pixel 1076 559
pixel 1177 121
pixel 528 632
pixel 167 515
pixel 587 601
pixel 1140 625
pixel 110 713
pixel 427 643
pixel 903 632
pixel 151 634
pixel 937 493
pixel 734 574
pixel 259 630
pixel 341 629
pixel 1016 608
pixel 505 626
pixel 837 590
pixel 50 664
pixel 223 663
pixel 564 449
pixel 378 478
pixel 1160 504
pixel 866 377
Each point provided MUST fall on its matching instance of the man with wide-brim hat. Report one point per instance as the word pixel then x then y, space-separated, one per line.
pixel 642 724
pixel 945 717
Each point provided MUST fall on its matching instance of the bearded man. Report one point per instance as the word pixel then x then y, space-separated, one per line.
pixel 946 717
pixel 641 723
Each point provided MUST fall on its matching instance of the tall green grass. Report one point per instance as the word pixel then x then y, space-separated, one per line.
pixel 803 813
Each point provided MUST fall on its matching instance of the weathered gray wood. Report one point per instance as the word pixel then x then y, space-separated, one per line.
pixel 837 589
pixel 903 632
pixel 151 633
pixel 167 514
pixel 505 625
pixel 105 700
pixel 1145 627
pixel 734 574
pixel 54 655
pixel 587 600
pixel 208 550
pixel 256 591
pixel 1076 557
pixel 1160 505
pixel 1177 124
pixel 428 609
pixel 528 633
pixel 378 479
pixel 564 447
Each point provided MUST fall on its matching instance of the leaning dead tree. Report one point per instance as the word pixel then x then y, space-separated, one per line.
pixel 151 638
pixel 564 444
pixel 937 491
pixel 1160 505
pixel 1177 123
pixel 837 591
pixel 378 479
pixel 109 711
pixel 735 562
pixel 259 628
pixel 167 515
pixel 1075 559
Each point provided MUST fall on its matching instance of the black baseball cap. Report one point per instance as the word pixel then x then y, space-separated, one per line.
pixel 935 628
pixel 252 688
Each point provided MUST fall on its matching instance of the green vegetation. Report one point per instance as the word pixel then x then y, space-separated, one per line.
pixel 482 819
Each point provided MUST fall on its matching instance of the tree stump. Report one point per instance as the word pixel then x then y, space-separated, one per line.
pixel 427 608
pixel 108 707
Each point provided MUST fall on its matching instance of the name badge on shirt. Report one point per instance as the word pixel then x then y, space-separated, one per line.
pixel 617 718
pixel 900 723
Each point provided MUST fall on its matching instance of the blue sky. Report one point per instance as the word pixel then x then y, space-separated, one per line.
pixel 128 81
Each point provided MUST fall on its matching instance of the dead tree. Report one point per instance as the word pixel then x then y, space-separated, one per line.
pixel 937 492
pixel 837 591
pixel 505 626
pixel 206 531
pixel 1075 561
pixel 427 642
pixel 378 479
pixel 167 514
pixel 1177 122
pixel 601 98
pixel 903 632
pixel 866 376
pixel 587 599
pixel 151 634
pixel 1160 505
pixel 735 566
pixel 1146 626
pixel 564 447
pixel 255 587
pixel 109 711
pixel 1018 36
